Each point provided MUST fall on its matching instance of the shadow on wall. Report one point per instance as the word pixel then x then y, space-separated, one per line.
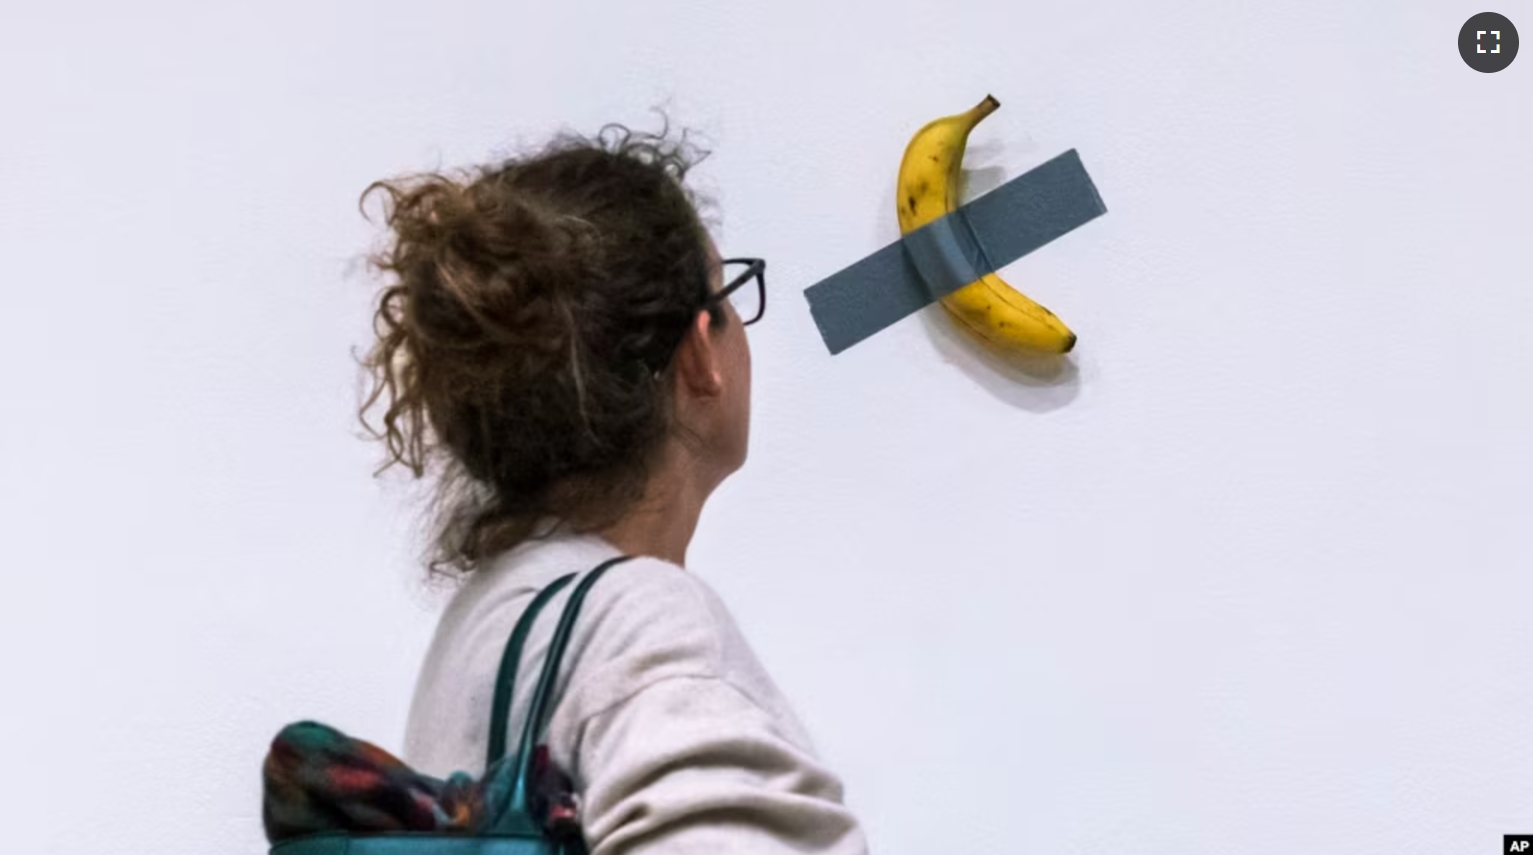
pixel 1037 383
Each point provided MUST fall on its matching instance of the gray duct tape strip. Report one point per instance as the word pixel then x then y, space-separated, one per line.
pixel 981 237
pixel 946 254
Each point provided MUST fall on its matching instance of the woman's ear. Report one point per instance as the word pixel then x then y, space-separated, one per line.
pixel 699 368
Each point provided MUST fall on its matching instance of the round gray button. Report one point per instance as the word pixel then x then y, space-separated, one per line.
pixel 1488 42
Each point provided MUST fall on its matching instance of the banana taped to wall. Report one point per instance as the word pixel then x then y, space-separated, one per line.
pixel 928 188
pixel 949 253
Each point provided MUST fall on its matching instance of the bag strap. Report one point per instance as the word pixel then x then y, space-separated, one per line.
pixel 518 810
pixel 505 680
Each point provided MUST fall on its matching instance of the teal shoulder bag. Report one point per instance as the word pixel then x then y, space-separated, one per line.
pixel 513 828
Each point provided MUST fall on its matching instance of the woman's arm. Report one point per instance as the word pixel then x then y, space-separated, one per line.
pixel 692 766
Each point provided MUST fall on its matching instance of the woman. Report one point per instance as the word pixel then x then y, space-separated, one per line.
pixel 561 348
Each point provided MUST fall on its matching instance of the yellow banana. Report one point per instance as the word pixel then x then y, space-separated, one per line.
pixel 928 189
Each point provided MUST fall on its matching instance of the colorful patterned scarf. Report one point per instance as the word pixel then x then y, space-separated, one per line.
pixel 318 779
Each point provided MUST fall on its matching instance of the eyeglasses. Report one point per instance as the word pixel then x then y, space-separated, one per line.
pixel 750 303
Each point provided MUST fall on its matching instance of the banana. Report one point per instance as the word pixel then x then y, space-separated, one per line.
pixel 994 311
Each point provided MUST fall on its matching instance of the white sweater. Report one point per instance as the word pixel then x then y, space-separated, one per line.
pixel 677 739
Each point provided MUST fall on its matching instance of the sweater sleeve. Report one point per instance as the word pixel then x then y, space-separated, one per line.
pixel 692 766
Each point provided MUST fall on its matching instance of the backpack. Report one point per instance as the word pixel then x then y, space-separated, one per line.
pixel 511 826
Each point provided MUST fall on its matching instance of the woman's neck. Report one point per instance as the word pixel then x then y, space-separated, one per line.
pixel 662 524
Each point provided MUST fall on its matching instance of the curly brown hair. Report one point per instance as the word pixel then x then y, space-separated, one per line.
pixel 523 342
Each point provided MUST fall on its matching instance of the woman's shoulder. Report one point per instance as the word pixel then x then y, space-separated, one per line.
pixel 651 608
pixel 648 620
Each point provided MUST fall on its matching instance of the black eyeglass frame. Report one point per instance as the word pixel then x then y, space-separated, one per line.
pixel 756 270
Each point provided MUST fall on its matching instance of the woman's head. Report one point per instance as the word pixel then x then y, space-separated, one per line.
pixel 547 341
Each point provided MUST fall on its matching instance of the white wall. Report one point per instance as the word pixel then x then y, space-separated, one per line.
pixel 1248 574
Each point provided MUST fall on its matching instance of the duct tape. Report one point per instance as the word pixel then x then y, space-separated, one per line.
pixel 980 237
